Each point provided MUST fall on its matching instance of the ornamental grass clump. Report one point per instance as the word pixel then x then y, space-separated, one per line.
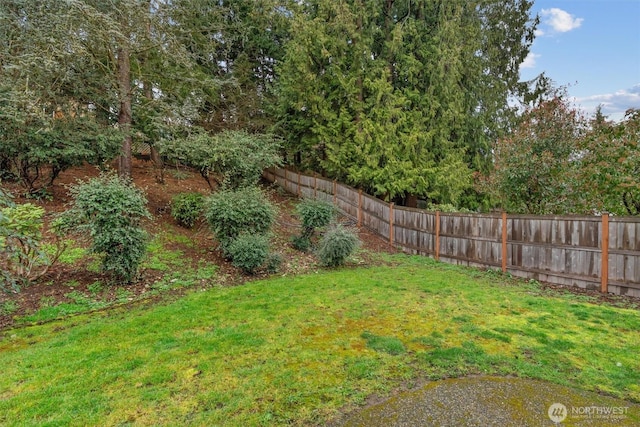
pixel 337 244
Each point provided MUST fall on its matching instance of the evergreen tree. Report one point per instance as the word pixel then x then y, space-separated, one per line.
pixel 236 44
pixel 401 98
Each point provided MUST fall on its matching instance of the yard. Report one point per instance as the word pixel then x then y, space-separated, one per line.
pixel 194 341
pixel 305 349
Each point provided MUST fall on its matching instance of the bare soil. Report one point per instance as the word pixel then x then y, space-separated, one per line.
pixel 53 288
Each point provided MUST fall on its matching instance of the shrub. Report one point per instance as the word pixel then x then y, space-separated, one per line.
pixel 336 245
pixel 314 214
pixel 233 158
pixel 232 212
pixel 186 208
pixel 273 262
pixel 301 243
pixel 249 252
pixel 110 210
pixel 37 147
pixel 22 255
pixel 446 208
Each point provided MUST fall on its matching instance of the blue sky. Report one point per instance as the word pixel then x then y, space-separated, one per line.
pixel 591 46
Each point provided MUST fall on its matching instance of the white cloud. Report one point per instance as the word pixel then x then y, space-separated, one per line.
pixel 614 104
pixel 560 20
pixel 530 60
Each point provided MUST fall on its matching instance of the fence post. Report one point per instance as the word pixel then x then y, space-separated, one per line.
pixel 604 248
pixel 437 248
pixel 360 208
pixel 391 223
pixel 335 192
pixel 504 242
pixel 299 190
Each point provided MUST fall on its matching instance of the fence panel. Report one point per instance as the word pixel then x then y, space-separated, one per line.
pixel 375 214
pixel 624 256
pixel 347 200
pixel 471 239
pixel 562 250
pixel 324 190
pixel 414 230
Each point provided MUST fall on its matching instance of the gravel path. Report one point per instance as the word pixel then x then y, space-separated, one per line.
pixel 497 401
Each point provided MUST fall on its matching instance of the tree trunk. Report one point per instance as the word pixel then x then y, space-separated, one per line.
pixel 124 115
pixel 411 201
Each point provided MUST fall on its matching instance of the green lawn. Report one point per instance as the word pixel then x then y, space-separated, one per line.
pixel 297 349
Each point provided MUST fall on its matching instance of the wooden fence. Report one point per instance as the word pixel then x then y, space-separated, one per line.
pixel 566 250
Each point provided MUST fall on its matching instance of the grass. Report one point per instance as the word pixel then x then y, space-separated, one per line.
pixel 159 257
pixel 71 254
pixel 296 350
pixel 8 307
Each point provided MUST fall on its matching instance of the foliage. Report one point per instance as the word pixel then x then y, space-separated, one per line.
pixel 23 258
pixel 336 246
pixel 314 214
pixel 233 212
pixel 610 166
pixel 109 210
pixel 186 208
pixel 536 167
pixel 37 145
pixel 123 65
pixel 249 252
pixel 233 158
pixel 8 308
pixel 448 208
pixel 273 262
pixel 402 98
pixel 301 243
pixel 238 44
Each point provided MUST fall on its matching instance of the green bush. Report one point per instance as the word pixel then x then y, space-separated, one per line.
pixel 186 208
pixel 233 158
pixel 22 255
pixel 232 212
pixel 37 147
pixel 336 245
pixel 301 243
pixel 273 262
pixel 314 214
pixel 249 252
pixel 446 208
pixel 109 210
